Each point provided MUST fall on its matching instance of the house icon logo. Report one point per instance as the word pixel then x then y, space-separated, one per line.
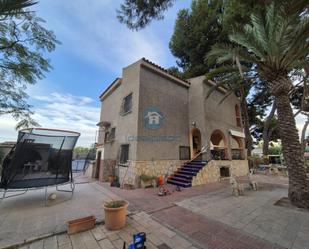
pixel 153 118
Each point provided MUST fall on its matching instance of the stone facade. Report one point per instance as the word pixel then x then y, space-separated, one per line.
pixel 211 172
pixel 130 174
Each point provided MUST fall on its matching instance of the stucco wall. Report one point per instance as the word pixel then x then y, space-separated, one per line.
pixel 171 99
pixel 111 112
pixel 208 114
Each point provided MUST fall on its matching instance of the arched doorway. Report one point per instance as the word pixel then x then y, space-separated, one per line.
pixel 237 148
pixel 218 145
pixel 195 142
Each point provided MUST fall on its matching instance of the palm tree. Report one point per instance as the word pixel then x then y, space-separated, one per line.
pixel 13 7
pixel 276 42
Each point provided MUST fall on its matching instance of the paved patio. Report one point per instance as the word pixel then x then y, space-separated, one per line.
pixel 158 236
pixel 255 214
pixel 211 216
pixel 204 217
pixel 25 217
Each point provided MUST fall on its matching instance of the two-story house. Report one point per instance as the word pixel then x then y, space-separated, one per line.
pixel 152 123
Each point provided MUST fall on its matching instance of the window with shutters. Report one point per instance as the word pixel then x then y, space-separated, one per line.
pixel 126 106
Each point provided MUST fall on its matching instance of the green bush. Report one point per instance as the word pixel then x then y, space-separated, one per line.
pixel 147 178
pixel 114 204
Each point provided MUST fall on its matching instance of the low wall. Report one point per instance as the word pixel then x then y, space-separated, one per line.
pixel 106 169
pixel 211 173
pixel 130 175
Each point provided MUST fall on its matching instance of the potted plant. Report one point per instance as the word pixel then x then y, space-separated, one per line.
pixel 115 214
pixel 146 181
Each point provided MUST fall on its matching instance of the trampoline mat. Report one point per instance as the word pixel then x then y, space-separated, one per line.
pixel 36 183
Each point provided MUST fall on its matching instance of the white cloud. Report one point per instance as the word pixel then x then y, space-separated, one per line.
pixel 60 111
pixel 92 32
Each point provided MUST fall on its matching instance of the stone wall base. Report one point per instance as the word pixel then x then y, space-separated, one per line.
pixel 211 172
pixel 130 175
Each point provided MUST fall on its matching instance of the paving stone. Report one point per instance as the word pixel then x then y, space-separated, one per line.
pixel 301 242
pixel 50 243
pixel 154 239
pixel 106 244
pixel 37 245
pixel 65 246
pixel 98 233
pixel 118 243
pixel 24 247
pixel 63 239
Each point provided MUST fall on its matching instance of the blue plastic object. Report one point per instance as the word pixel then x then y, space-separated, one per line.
pixel 138 241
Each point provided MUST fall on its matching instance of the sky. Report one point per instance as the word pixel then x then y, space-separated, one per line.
pixel 95 47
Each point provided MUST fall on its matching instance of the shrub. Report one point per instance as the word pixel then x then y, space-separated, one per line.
pixel 115 204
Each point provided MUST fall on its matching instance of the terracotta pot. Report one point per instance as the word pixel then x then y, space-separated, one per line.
pixel 80 225
pixel 110 178
pixel 115 218
pixel 146 184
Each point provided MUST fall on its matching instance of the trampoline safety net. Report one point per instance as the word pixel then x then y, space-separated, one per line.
pixel 41 157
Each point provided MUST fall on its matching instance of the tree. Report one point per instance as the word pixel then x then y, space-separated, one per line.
pixel 23 44
pixel 13 7
pixel 195 31
pixel 136 14
pixel 276 41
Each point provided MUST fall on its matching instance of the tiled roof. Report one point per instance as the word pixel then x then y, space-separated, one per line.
pixel 165 70
pixel 110 86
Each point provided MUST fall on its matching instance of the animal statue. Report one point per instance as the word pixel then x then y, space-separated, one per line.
pixel 237 188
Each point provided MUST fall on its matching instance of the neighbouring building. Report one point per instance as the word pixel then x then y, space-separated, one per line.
pixel 153 122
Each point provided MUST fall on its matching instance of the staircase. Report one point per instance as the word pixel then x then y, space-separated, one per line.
pixel 183 176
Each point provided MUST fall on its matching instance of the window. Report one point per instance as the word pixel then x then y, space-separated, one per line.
pixel 126 104
pixel 184 153
pixel 110 135
pixel 106 136
pixel 124 153
pixel 238 118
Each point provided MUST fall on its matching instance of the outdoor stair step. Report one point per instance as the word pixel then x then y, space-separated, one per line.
pixel 201 162
pixel 180 184
pixel 183 175
pixel 187 166
pixel 180 179
pixel 196 164
pixel 187 172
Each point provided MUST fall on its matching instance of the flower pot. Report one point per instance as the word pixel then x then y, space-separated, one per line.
pixel 110 179
pixel 115 218
pixel 80 225
pixel 146 184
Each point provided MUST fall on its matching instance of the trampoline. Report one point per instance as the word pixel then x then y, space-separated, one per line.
pixel 40 158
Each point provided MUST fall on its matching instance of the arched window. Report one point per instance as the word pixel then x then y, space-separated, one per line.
pixel 238 116
pixel 218 146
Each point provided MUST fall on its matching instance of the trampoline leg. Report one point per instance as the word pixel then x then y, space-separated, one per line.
pixel 3 196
